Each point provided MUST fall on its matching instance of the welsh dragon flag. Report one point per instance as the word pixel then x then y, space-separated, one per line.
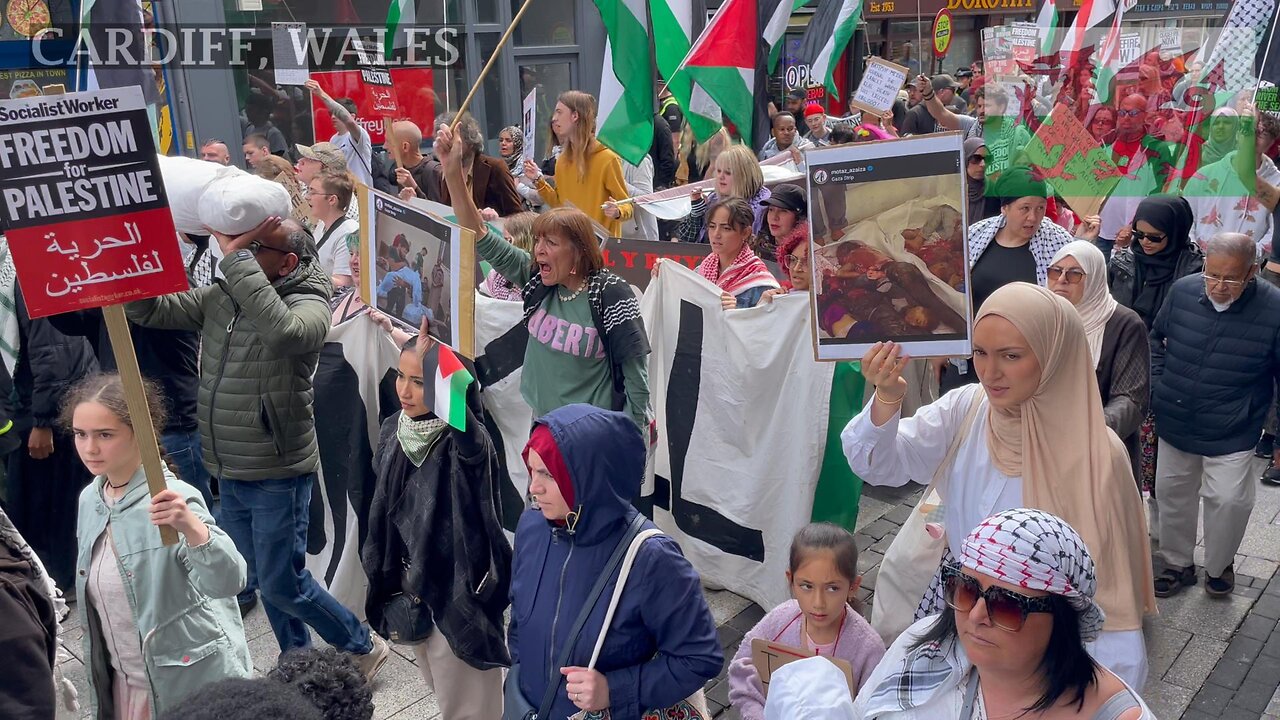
pixel 723 61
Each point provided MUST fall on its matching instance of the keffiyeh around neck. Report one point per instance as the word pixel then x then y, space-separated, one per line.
pixel 1097 305
pixel 417 436
pixel 745 272
pixel 10 339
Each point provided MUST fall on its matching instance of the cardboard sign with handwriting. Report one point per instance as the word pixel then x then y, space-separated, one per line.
pixel 85 210
pixel 768 656
pixel 881 81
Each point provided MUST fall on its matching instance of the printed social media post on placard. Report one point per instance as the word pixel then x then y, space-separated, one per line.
pixel 85 212
pixel 892 263
pixel 420 271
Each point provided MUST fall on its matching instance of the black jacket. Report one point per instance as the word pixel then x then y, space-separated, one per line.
pixel 48 363
pixel 446 512
pixel 1212 372
pixel 663 152
pixel 28 640
pixel 169 358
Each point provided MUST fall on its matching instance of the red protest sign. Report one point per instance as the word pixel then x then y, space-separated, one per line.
pixel 85 211
pixel 415 102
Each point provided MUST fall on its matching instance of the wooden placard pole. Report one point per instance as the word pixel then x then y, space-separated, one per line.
pixel 492 59
pixel 389 139
pixel 139 412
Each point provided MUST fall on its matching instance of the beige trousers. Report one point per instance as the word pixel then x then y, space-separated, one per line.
pixel 462 692
pixel 1227 487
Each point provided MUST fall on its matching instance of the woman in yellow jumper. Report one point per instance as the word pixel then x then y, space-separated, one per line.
pixel 588 174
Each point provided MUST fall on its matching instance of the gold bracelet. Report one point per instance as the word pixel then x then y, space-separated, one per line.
pixel 888 402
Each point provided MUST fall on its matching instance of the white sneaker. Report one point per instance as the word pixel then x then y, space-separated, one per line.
pixel 371 662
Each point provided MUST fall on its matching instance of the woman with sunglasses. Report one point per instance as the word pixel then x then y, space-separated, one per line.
pixel 1117 339
pixel 1013 639
pixel 1159 251
pixel 1033 434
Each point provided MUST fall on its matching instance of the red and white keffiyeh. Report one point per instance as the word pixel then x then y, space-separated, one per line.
pixel 1037 551
pixel 747 271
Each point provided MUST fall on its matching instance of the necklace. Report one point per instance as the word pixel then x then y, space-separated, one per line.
pixel 571 296
pixel 117 487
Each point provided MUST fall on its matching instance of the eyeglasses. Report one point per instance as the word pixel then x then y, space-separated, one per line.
pixel 1130 113
pixel 1225 282
pixel 256 247
pixel 1149 237
pixel 1007 609
pixel 793 260
pixel 1074 275
pixel 977 159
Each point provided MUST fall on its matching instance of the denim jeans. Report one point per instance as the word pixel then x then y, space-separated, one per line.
pixel 268 520
pixel 184 451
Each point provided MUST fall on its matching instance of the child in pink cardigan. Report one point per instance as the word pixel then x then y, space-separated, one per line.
pixel 823 579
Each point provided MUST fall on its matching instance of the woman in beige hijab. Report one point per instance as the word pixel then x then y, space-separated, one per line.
pixel 1032 434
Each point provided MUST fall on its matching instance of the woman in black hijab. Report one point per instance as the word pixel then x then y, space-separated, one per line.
pixel 981 206
pixel 1160 251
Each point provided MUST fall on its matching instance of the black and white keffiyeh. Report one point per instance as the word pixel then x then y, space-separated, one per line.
pixel 1046 243
pixel 1028 548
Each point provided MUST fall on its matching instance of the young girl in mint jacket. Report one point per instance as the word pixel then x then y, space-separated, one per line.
pixel 160 621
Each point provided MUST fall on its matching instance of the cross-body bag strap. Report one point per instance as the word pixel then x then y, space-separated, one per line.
pixel 962 433
pixel 606 574
pixel 329 233
pixel 617 590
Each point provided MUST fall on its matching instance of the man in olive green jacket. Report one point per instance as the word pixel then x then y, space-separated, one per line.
pixel 262 328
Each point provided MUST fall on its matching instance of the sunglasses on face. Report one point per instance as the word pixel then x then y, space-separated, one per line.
pixel 1075 276
pixel 1007 609
pixel 1148 237
pixel 1130 113
pixel 977 159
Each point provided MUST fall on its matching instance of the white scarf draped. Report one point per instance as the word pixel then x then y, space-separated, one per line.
pixel 1097 305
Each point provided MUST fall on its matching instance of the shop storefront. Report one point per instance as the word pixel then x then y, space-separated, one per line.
pixel 902 30
pixel 555 48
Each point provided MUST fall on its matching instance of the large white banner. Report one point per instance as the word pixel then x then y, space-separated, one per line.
pixel 742 413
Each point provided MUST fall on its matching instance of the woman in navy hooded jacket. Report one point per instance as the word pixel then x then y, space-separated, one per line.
pixel 584 465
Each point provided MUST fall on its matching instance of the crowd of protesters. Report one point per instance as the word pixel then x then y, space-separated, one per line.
pixel 1133 353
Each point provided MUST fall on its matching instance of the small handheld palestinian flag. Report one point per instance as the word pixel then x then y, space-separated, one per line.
pixel 445 385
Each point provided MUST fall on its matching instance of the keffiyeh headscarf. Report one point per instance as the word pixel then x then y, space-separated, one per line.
pixel 1024 547
pixel 1037 551
pixel 515 160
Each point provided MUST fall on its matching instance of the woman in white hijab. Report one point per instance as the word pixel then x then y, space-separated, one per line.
pixel 1117 339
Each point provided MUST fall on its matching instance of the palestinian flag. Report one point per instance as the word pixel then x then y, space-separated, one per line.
pixel 776 19
pixel 672 38
pixel 1048 21
pixel 401 15
pixel 445 385
pixel 723 61
pixel 625 122
pixel 827 36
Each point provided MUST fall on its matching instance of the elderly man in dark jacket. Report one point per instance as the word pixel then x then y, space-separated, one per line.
pixel 262 327
pixel 1215 352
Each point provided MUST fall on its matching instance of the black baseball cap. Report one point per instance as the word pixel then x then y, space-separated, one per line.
pixel 789 197
pixel 797 94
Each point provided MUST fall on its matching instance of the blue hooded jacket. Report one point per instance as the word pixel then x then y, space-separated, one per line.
pixel 662 645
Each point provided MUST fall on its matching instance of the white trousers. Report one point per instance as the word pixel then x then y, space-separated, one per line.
pixel 462 692
pixel 1227 487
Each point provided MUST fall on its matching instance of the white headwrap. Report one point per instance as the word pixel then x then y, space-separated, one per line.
pixel 1097 305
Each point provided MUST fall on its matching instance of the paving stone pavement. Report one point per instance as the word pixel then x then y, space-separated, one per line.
pixel 1209 657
